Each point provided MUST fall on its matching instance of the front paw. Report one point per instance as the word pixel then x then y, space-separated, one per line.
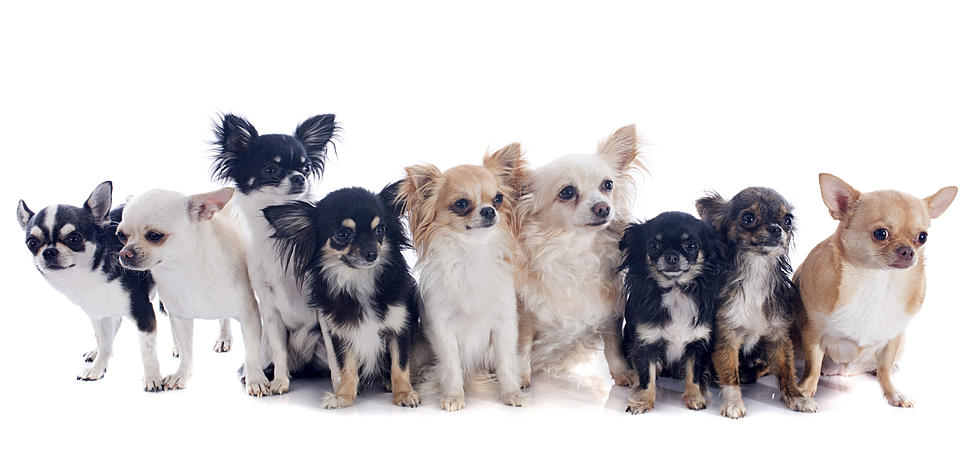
pixel 91 374
pixel 625 378
pixel 899 400
pixel 257 386
pixel 333 401
pixel 176 381
pixel 153 383
pixel 808 388
pixel 516 399
pixel 408 399
pixel 801 404
pixel 639 406
pixel 733 408
pixel 279 386
pixel 221 345
pixel 453 402
pixel 90 356
pixel 694 400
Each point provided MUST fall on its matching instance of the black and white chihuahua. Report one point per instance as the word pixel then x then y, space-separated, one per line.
pixel 270 170
pixel 346 250
pixel 76 250
pixel 673 271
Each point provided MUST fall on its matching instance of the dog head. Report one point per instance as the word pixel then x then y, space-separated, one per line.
pixel 757 220
pixel 350 228
pixel 276 166
pixel 673 248
pixel 158 224
pixel 465 200
pixel 882 229
pixel 63 237
pixel 585 192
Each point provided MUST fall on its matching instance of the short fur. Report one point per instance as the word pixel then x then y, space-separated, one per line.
pixel 268 170
pixel 196 254
pixel 75 249
pixel 755 307
pixel 462 223
pixel 346 251
pixel 673 272
pixel 570 290
pixel 859 292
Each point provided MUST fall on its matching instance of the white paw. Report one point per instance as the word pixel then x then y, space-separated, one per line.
pixel 257 386
pixel 635 406
pixel 153 383
pixel 176 381
pixel 733 408
pixel 453 402
pixel 801 404
pixel 333 401
pixel 408 399
pixel 694 401
pixel 222 345
pixel 279 386
pixel 91 374
pixel 517 399
pixel 90 356
pixel 900 400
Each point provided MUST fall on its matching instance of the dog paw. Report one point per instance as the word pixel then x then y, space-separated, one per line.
pixel 257 386
pixel 453 402
pixel 899 400
pixel 635 406
pixel 733 409
pixel 808 389
pixel 525 381
pixel 223 344
pixel 694 401
pixel 408 399
pixel 90 356
pixel 516 399
pixel 801 404
pixel 176 381
pixel 91 374
pixel 279 386
pixel 153 383
pixel 624 378
pixel 333 401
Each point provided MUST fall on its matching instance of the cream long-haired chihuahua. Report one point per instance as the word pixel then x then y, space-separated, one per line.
pixel 571 217
pixel 462 223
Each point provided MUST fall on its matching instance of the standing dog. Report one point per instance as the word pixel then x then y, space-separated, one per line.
pixel 346 249
pixel 76 251
pixel 861 286
pixel 571 217
pixel 197 257
pixel 755 307
pixel 672 265
pixel 270 170
pixel 462 226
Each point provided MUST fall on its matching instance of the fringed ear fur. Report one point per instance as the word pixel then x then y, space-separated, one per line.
pixel 294 233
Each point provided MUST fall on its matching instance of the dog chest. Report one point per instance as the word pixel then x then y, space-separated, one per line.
pixel 90 291
pixel 874 311
pixel 680 331
pixel 744 309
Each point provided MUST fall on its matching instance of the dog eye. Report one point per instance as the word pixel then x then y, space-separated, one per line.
pixel 922 237
pixel 654 245
pixel 305 170
pixel 461 204
pixel 748 219
pixel 566 193
pixel 74 238
pixel 881 234
pixel 607 185
pixel 153 236
pixel 379 232
pixel 691 246
pixel 122 237
pixel 33 243
pixel 342 236
pixel 498 199
pixel 271 170
pixel 788 220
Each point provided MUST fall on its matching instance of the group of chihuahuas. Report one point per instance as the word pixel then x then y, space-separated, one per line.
pixel 519 270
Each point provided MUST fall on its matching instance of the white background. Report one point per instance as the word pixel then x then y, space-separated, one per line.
pixel 725 94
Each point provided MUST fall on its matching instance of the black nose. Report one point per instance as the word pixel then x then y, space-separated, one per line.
pixel 904 253
pixel 601 210
pixel 775 230
pixel 488 213
pixel 370 255
pixel 297 179
pixel 672 258
pixel 50 253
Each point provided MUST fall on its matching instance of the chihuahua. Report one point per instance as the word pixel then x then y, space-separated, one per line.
pixel 346 249
pixel 76 251
pixel 269 170
pixel 196 254
pixel 462 226
pixel 571 216
pixel 673 271
pixel 861 287
pixel 755 306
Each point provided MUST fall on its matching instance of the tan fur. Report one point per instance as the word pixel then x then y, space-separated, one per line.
pixel 401 384
pixel 840 271
pixel 693 393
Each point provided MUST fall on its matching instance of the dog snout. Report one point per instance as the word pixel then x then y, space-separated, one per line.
pixel 297 179
pixel 601 209
pixel 775 230
pixel 488 213
pixel 369 254
pixel 905 254
pixel 50 254
pixel 127 253
pixel 672 259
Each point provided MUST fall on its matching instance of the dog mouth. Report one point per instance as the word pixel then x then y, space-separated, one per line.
pixel 673 274
pixel 902 264
pixel 598 222
pixel 54 267
pixel 481 226
pixel 357 263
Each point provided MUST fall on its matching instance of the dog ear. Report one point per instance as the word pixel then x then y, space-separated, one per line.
pixel 712 209
pixel 621 148
pixel 838 196
pixel 631 244
pixel 938 202
pixel 420 182
pixel 203 206
pixel 24 214
pixel 711 243
pixel 507 164
pixel 233 135
pixel 100 202
pixel 315 134
pixel 294 233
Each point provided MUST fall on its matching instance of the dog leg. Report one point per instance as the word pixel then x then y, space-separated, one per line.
pixel 612 340
pixel 525 343
pixel 504 341
pixel 332 360
pixel 645 395
pixel 175 350
pixel 693 395
pixel 886 365
pixel 813 353
pixel 223 344
pixel 781 361
pixel 346 392
pixel 256 384
pixel 183 330
pixel 105 333
pixel 401 384
pixel 275 331
pixel 725 359
pixel 449 367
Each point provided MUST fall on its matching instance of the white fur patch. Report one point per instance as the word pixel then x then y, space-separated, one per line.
pixel 66 230
pixel 745 310
pixel 681 331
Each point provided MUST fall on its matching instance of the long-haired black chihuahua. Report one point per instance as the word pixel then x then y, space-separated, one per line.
pixel 672 265
pixel 347 250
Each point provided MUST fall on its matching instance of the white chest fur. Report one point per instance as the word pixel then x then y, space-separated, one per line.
pixel 745 309
pixel 89 290
pixel 875 309
pixel 681 330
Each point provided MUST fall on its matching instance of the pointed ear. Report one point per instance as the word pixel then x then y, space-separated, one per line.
pixel 420 182
pixel 631 244
pixel 507 164
pixel 100 201
pixel 204 206
pixel 712 209
pixel 940 201
pixel 23 214
pixel 316 132
pixel 294 233
pixel 838 196
pixel 620 148
pixel 233 134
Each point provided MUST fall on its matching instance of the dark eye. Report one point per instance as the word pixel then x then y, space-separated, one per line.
pixel 122 237
pixel 271 170
pixel 748 219
pixel 342 236
pixel 566 193
pixel 788 220
pixel 654 245
pixel 922 237
pixel 305 170
pixel 153 236
pixel 74 238
pixel 33 243
pixel 691 246
pixel 606 185
pixel 461 204
pixel 881 234
pixel 498 199
pixel 379 232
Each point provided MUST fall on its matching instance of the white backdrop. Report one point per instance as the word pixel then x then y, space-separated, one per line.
pixel 725 94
